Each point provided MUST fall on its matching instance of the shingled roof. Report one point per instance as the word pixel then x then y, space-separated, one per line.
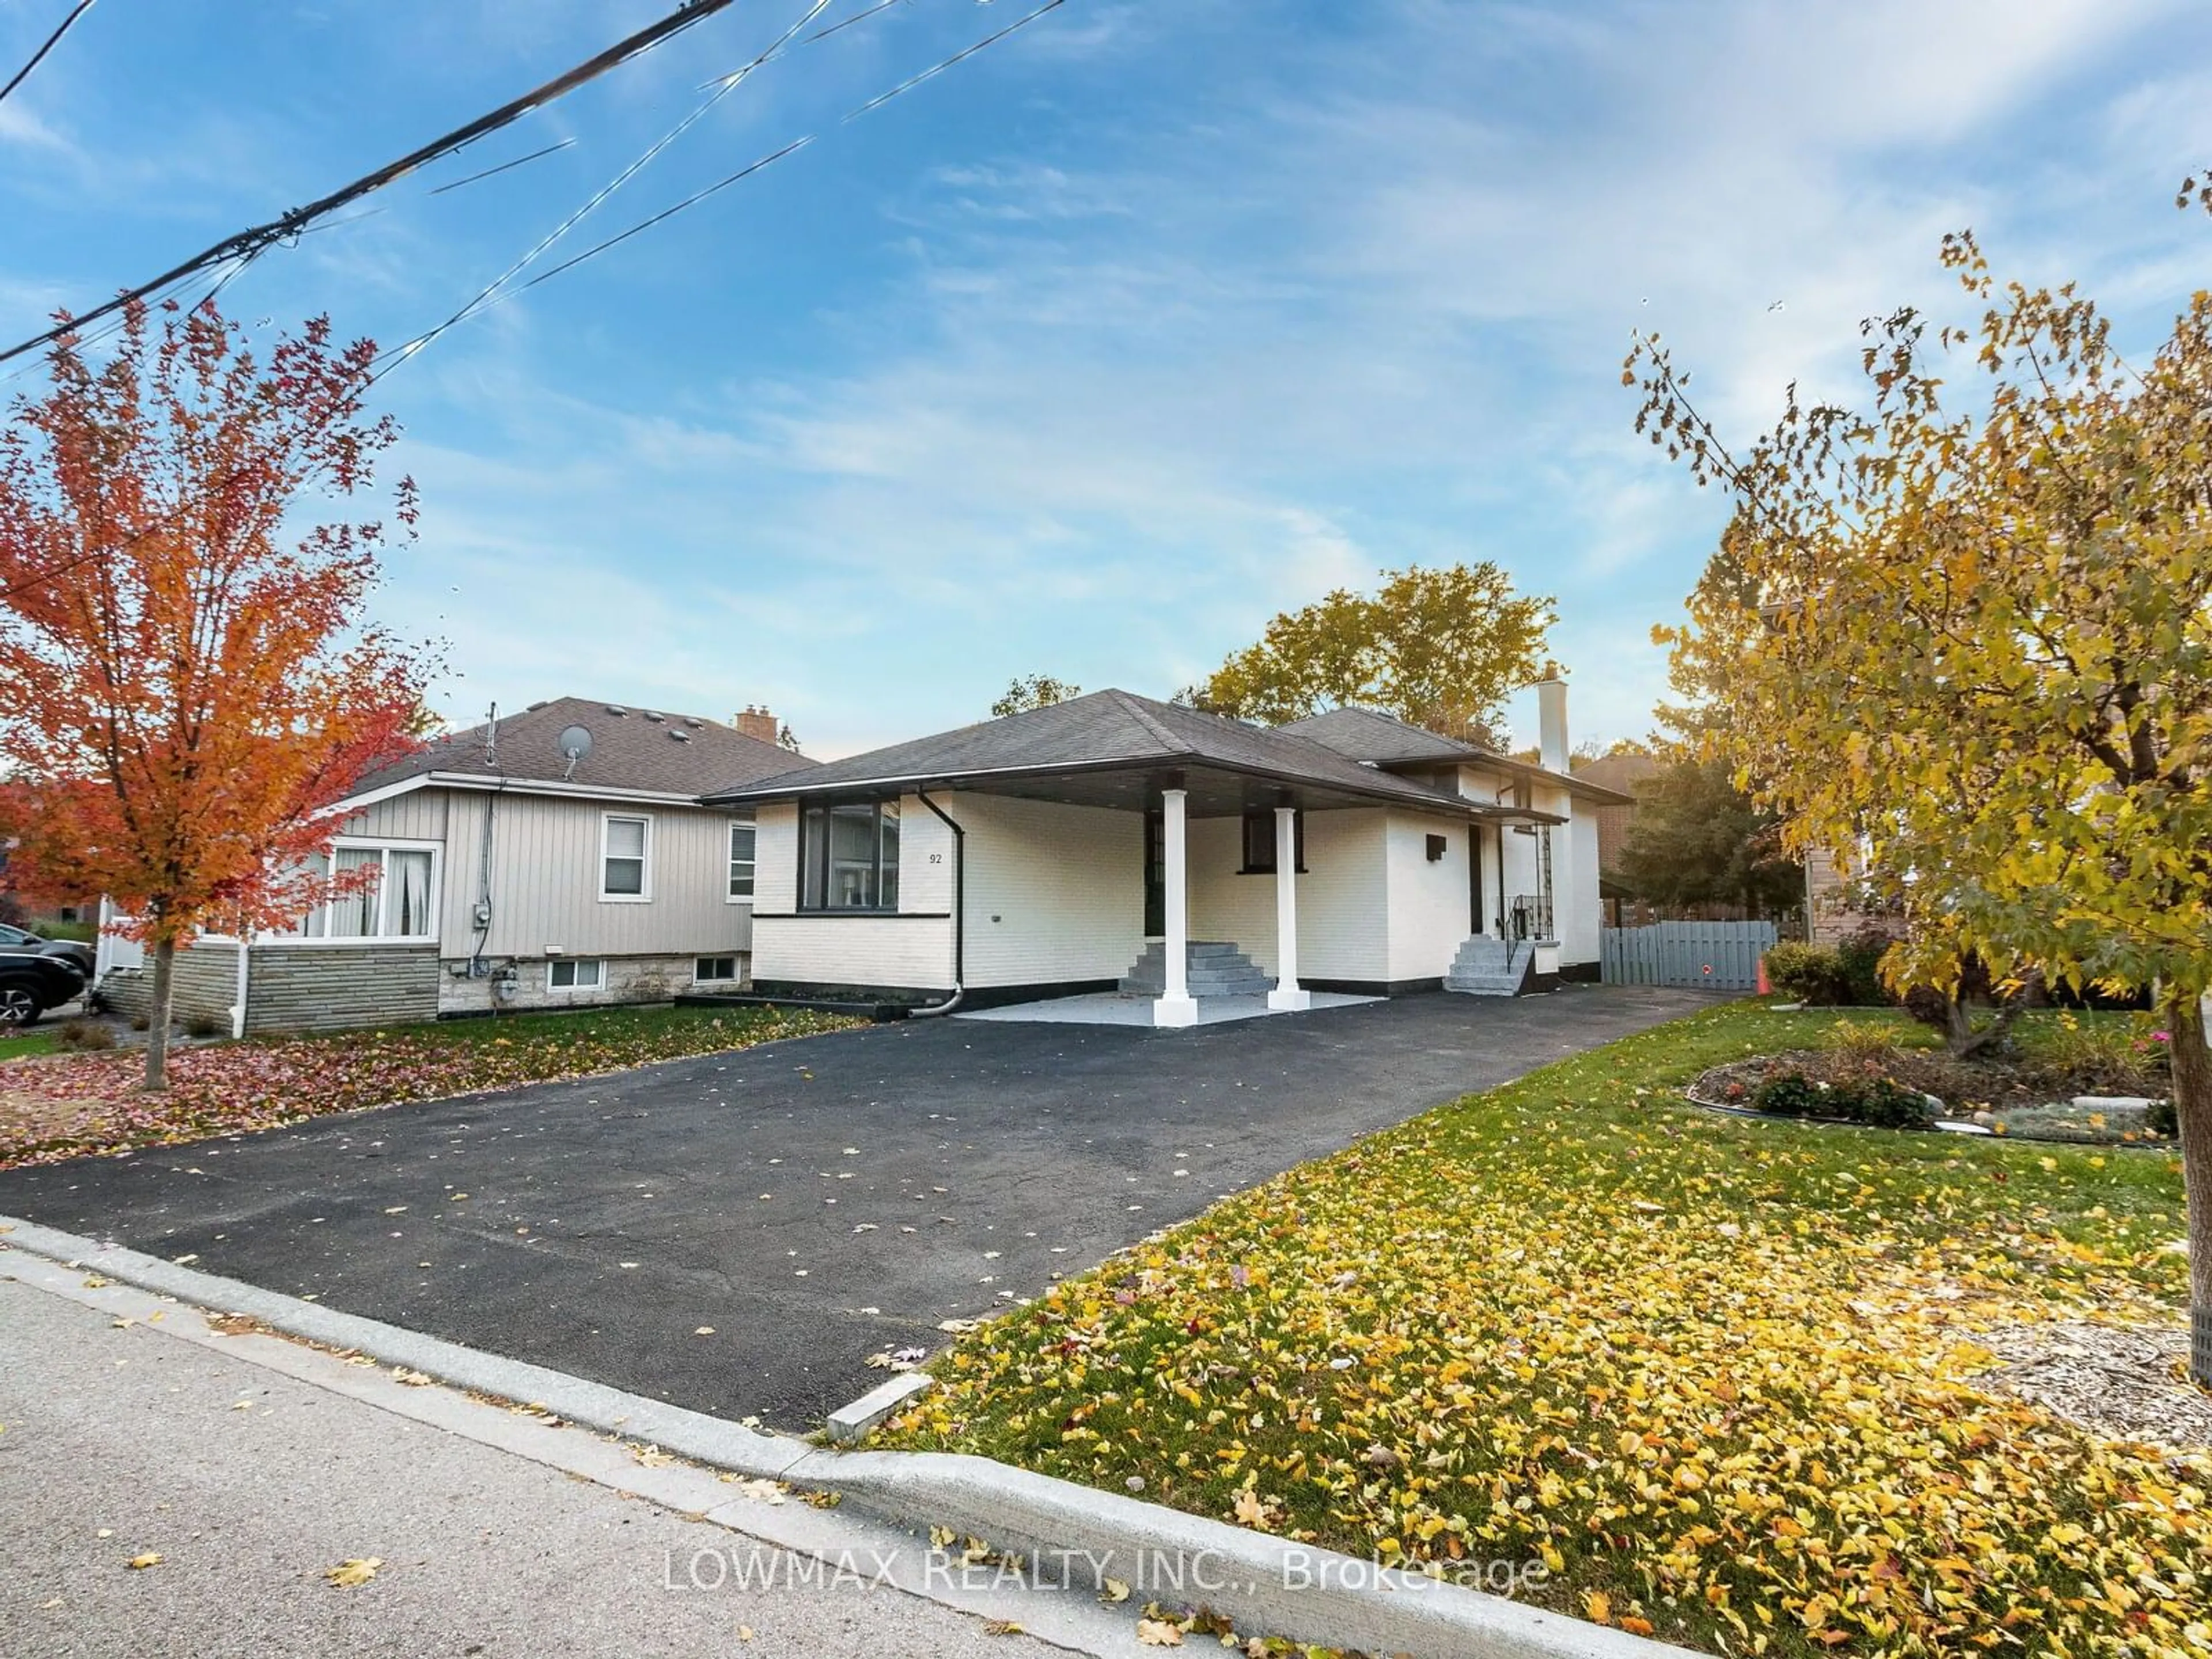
pixel 1381 739
pixel 645 749
pixel 1103 730
pixel 1368 735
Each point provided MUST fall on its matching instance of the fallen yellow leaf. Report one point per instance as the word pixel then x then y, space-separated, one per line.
pixel 349 1574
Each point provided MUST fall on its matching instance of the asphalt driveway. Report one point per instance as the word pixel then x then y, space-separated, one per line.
pixel 737 1233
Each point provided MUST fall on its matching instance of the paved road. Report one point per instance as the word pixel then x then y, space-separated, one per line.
pixel 118 1442
pixel 737 1233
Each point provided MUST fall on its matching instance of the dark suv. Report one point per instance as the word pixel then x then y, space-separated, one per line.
pixel 31 981
pixel 22 939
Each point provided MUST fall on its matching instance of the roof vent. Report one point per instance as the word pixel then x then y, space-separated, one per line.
pixel 680 734
pixel 617 710
pixel 695 722
pixel 655 719
pixel 535 707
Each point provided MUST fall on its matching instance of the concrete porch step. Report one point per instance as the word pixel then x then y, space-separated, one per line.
pixel 1491 968
pixel 1211 968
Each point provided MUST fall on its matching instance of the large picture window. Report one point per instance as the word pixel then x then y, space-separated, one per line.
pixel 741 859
pixel 848 857
pixel 625 858
pixel 396 898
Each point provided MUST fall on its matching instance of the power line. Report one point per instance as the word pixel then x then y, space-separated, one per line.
pixel 501 167
pixel 245 243
pixel 239 261
pixel 491 293
pixel 912 82
pixel 857 17
pixel 498 293
pixel 696 196
pixel 52 40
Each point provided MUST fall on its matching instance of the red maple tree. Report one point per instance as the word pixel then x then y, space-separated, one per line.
pixel 188 681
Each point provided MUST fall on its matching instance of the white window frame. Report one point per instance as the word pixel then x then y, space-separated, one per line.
pixel 385 847
pixel 736 975
pixel 751 864
pixel 597 964
pixel 644 895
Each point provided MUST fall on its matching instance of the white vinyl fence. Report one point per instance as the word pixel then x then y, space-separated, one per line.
pixel 1720 956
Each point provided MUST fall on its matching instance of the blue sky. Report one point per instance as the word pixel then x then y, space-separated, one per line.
pixel 1096 351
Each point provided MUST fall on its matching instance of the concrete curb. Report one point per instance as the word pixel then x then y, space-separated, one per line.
pixel 855 1417
pixel 1069 1535
pixel 1263 1584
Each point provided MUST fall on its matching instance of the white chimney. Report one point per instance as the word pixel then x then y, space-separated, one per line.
pixel 1551 724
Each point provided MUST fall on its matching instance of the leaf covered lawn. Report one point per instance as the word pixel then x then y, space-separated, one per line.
pixel 71 1105
pixel 1716 1375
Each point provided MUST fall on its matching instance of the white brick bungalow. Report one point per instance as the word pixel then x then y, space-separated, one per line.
pixel 1113 841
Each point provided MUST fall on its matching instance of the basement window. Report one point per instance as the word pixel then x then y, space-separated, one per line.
pixel 569 974
pixel 715 970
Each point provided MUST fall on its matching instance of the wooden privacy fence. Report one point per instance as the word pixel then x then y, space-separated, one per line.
pixel 1722 956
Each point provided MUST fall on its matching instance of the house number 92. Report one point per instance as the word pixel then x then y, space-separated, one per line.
pixel 936 858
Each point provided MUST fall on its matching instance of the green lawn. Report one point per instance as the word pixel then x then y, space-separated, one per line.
pixel 29 1042
pixel 1714 1375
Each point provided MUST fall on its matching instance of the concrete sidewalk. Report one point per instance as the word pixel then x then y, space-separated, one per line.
pixel 250 1484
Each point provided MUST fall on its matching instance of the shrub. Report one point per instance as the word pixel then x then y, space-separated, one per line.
pixel 1858 963
pixel 84 1034
pixel 206 1025
pixel 1790 1094
pixel 140 1022
pixel 1880 1102
pixel 1862 1041
pixel 1810 973
pixel 2118 1051
pixel 1883 1104
pixel 2163 1118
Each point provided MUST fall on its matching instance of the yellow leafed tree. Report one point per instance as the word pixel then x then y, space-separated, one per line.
pixel 1967 631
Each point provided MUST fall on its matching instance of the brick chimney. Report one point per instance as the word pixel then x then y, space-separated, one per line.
pixel 755 723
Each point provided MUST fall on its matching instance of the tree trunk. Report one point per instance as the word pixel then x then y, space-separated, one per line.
pixel 1963 1042
pixel 2192 1102
pixel 157 1016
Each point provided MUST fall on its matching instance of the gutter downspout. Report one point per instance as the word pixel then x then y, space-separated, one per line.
pixel 959 914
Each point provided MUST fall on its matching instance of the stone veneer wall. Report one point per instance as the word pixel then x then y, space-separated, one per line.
pixel 306 987
pixel 627 979
pixel 291 988
pixel 203 984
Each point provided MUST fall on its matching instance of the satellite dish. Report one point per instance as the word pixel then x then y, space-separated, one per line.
pixel 575 743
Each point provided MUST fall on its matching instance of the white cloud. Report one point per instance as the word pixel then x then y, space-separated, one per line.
pixel 1360 299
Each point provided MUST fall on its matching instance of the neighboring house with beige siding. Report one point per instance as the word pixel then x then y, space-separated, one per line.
pixel 1112 841
pixel 509 875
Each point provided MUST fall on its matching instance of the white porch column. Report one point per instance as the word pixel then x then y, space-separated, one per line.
pixel 1287 997
pixel 1178 1007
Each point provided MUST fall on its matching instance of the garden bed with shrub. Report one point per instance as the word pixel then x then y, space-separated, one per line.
pixel 1880 1070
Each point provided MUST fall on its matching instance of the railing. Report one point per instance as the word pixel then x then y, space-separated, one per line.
pixel 1529 916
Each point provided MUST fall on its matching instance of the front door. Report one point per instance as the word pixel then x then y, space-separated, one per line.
pixel 1156 875
pixel 1474 878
